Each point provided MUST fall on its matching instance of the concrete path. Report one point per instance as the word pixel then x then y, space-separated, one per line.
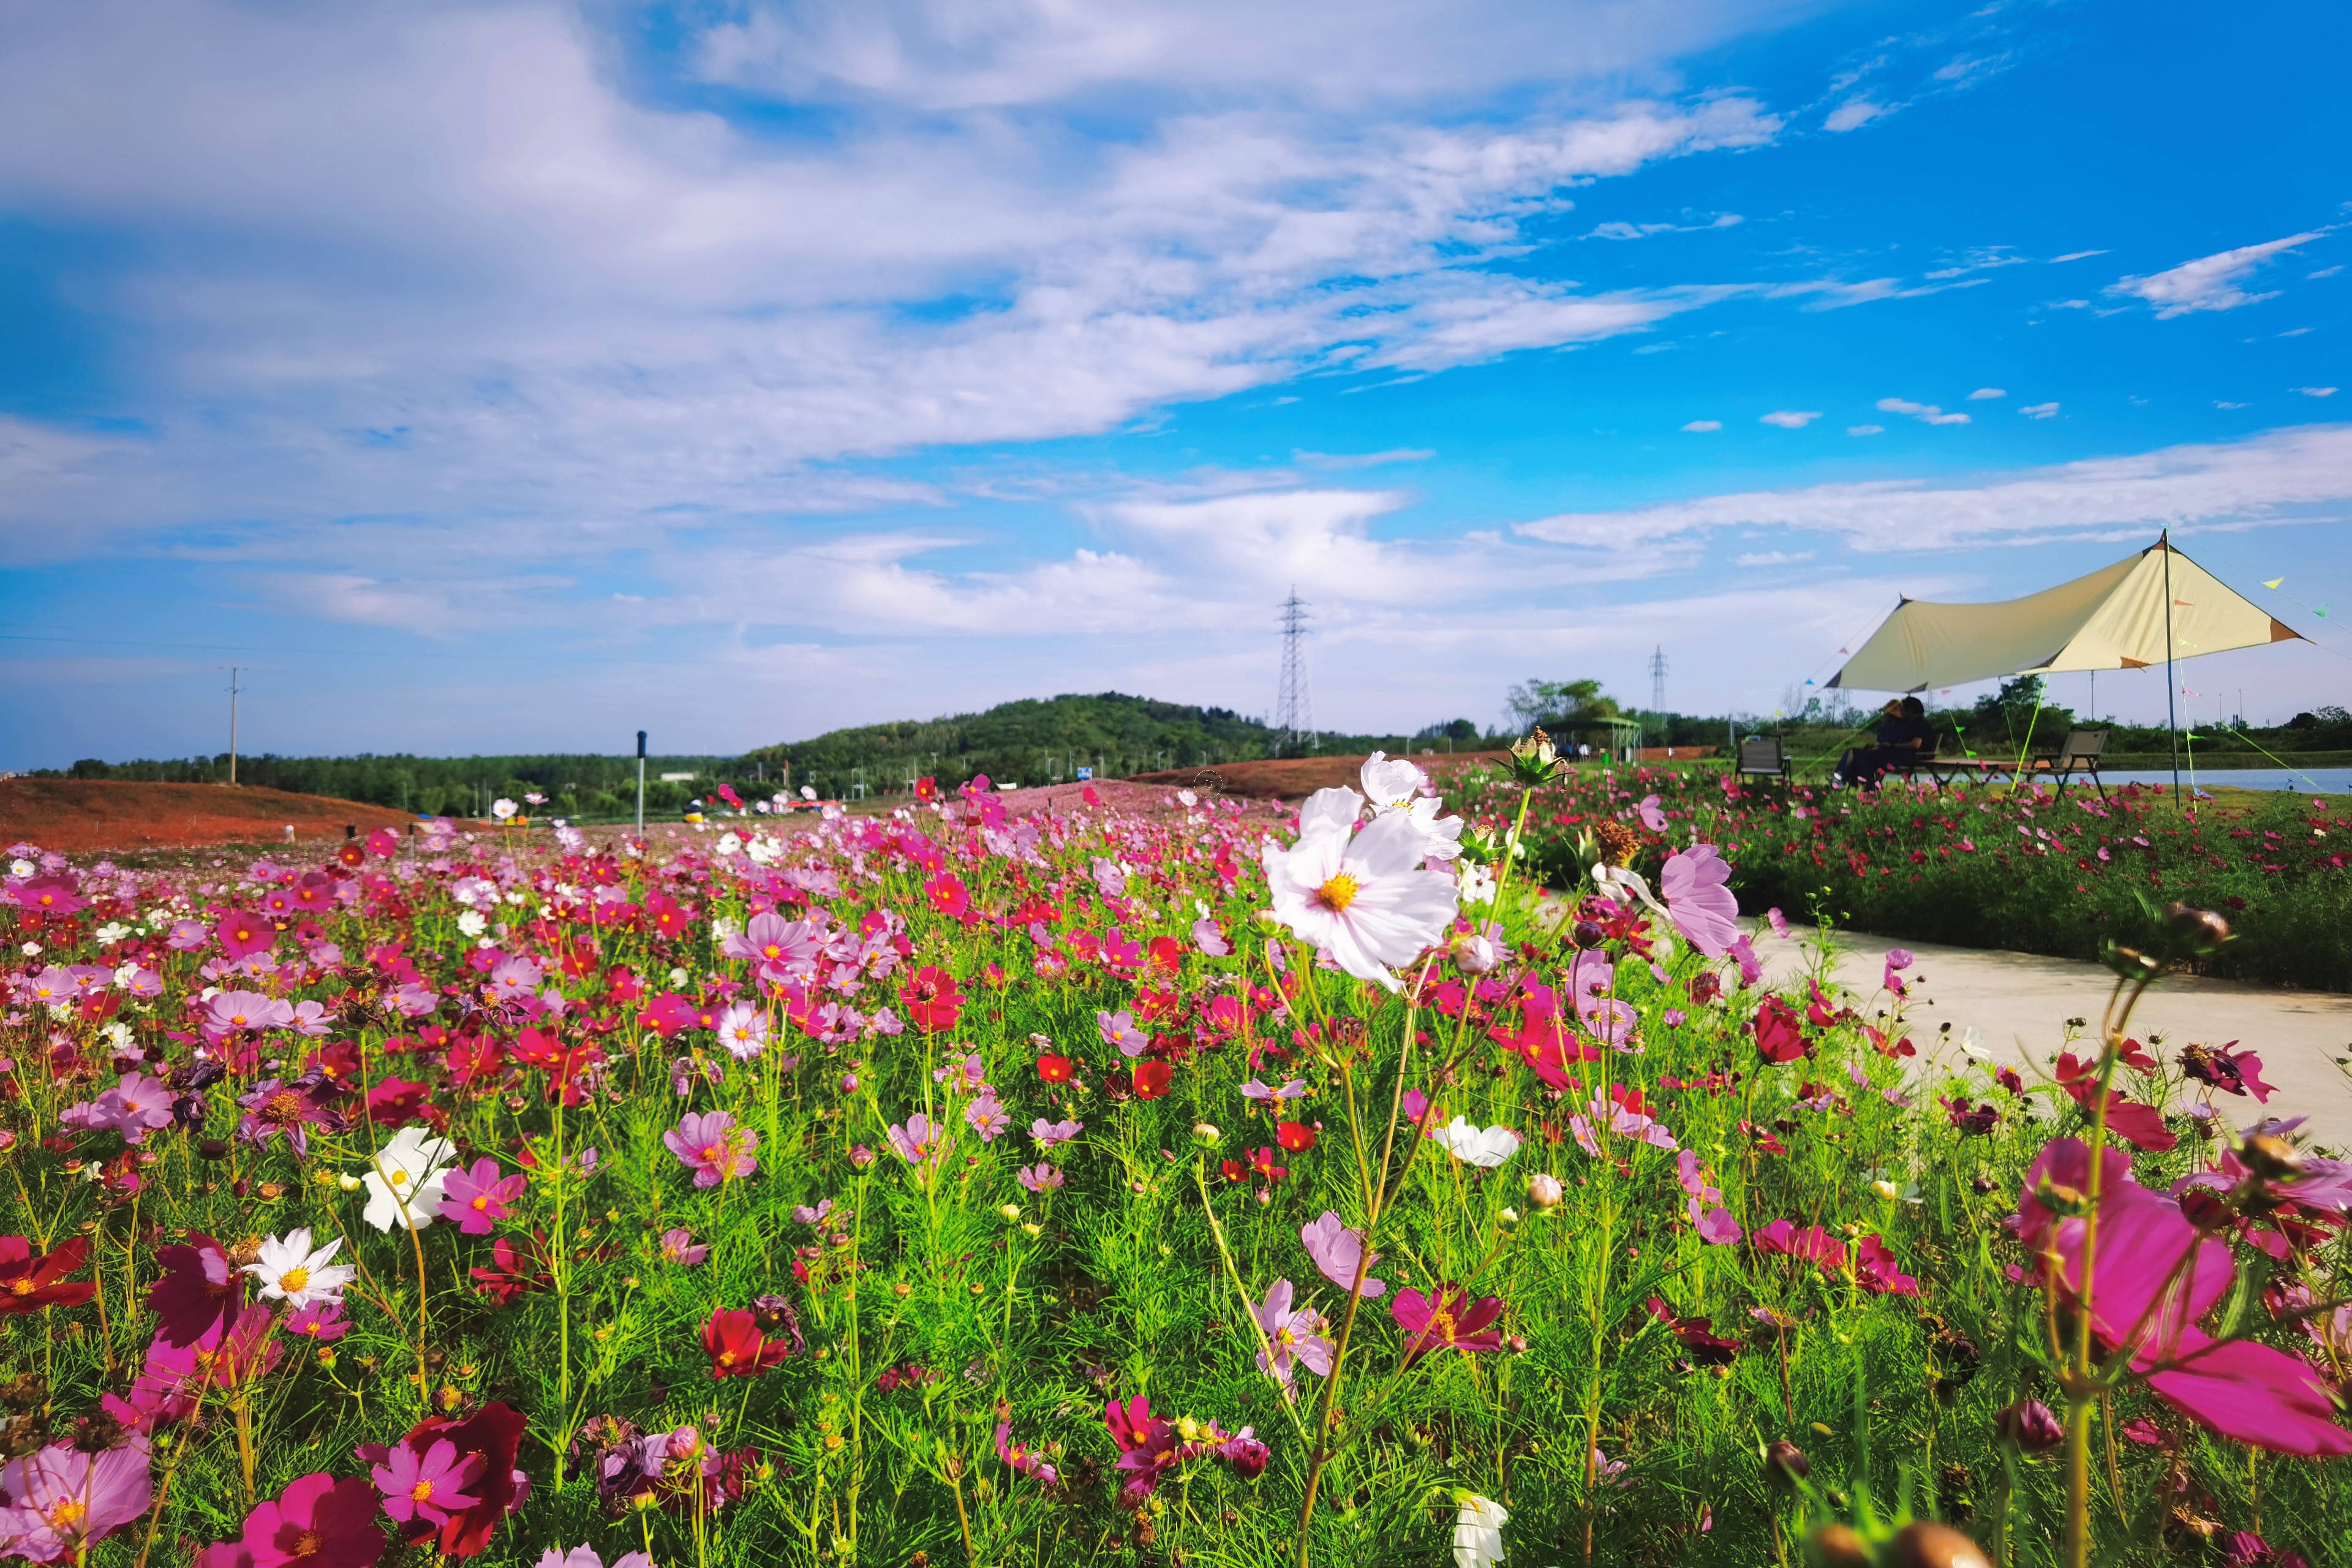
pixel 2019 1004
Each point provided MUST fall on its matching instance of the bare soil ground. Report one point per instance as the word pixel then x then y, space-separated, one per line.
pixel 79 816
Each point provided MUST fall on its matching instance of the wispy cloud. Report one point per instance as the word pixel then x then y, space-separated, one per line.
pixel 1981 393
pixel 1704 425
pixel 2210 282
pixel 2039 410
pixel 1790 419
pixel 1926 412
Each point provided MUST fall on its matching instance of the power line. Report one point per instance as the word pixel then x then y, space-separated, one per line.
pixel 1294 712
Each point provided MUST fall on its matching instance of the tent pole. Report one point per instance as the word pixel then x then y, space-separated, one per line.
pixel 2171 680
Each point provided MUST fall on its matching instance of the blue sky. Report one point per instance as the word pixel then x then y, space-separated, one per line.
pixel 510 376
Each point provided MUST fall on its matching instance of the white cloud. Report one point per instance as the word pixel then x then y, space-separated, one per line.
pixel 2314 391
pixel 1773 558
pixel 2210 282
pixel 1865 429
pixel 2324 272
pixel 2071 305
pixel 1984 392
pixel 1620 230
pixel 2075 256
pixel 2283 476
pixel 1790 419
pixel 1704 425
pixel 2039 410
pixel 2228 406
pixel 1854 114
pixel 1926 412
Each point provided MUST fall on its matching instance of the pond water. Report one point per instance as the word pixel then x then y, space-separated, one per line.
pixel 2328 781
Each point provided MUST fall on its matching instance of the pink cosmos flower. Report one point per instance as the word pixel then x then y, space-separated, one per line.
pixel 1021 1458
pixel 1875 1269
pixel 1702 908
pixel 1119 1029
pixel 986 1117
pixel 430 1486
pixel 1039 1177
pixel 1294 1090
pixel 230 1010
pixel 1295 1334
pixel 1339 1253
pixel 476 1200
pixel 1210 938
pixel 512 979
pixel 1048 1133
pixel 135 1106
pixel 713 1147
pixel 743 1030
pixel 917 1139
pixel 585 1556
pixel 61 1500
pixel 1652 817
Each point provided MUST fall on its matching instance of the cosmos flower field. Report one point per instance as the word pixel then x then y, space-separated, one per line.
pixel 1181 1184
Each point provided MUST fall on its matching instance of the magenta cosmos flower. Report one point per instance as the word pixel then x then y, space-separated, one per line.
pixel 2156 1275
pixel 476 1200
pixel 1447 1321
pixel 713 1147
pixel 317 1523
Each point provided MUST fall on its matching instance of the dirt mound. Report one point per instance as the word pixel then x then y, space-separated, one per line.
pixel 79 816
pixel 1296 778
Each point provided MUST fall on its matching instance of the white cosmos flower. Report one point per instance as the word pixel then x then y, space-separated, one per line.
pixel 502 809
pixel 1395 785
pixel 404 1181
pixel 291 1272
pixel 471 923
pixel 1478 1531
pixel 1363 896
pixel 1485 1147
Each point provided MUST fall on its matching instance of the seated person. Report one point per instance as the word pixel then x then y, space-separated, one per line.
pixel 1904 735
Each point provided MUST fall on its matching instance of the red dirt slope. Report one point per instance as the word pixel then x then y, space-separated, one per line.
pixel 80 815
pixel 1294 778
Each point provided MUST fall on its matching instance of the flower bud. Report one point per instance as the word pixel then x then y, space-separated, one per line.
pixel 1010 1211
pixel 1784 1465
pixel 1837 1546
pixel 1506 1220
pixel 1926 1544
pixel 1886 1189
pixel 2030 1424
pixel 1207 1134
pixel 1544 1190
pixel 861 1156
pixel 217 1149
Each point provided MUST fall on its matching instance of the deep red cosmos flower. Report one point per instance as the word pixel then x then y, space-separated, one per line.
pixel 29 1280
pixel 737 1348
pixel 1055 1069
pixel 1151 1079
pixel 1295 1136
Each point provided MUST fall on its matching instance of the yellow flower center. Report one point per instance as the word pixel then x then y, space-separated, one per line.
pixel 1339 892
pixel 68 1514
pixel 482 1203
pixel 712 1153
pixel 293 1280
pixel 307 1544
pixel 1441 1325
pixel 421 1492
pixel 20 1286
pixel 398 1178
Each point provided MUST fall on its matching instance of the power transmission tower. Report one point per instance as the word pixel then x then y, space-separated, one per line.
pixel 232 724
pixel 1658 680
pixel 1294 714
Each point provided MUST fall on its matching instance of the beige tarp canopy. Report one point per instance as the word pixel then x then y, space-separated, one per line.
pixel 2112 620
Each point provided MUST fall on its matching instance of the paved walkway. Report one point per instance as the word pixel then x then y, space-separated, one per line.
pixel 2019 1002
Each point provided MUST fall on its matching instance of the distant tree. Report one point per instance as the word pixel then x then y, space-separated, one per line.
pixel 1538 701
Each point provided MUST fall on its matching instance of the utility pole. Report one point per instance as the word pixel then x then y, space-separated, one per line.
pixel 1658 684
pixel 1294 713
pixel 641 783
pixel 232 724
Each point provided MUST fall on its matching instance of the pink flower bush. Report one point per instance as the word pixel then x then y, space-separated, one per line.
pixel 710 1144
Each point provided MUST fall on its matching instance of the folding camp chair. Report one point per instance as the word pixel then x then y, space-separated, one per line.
pixel 1766 756
pixel 2079 754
